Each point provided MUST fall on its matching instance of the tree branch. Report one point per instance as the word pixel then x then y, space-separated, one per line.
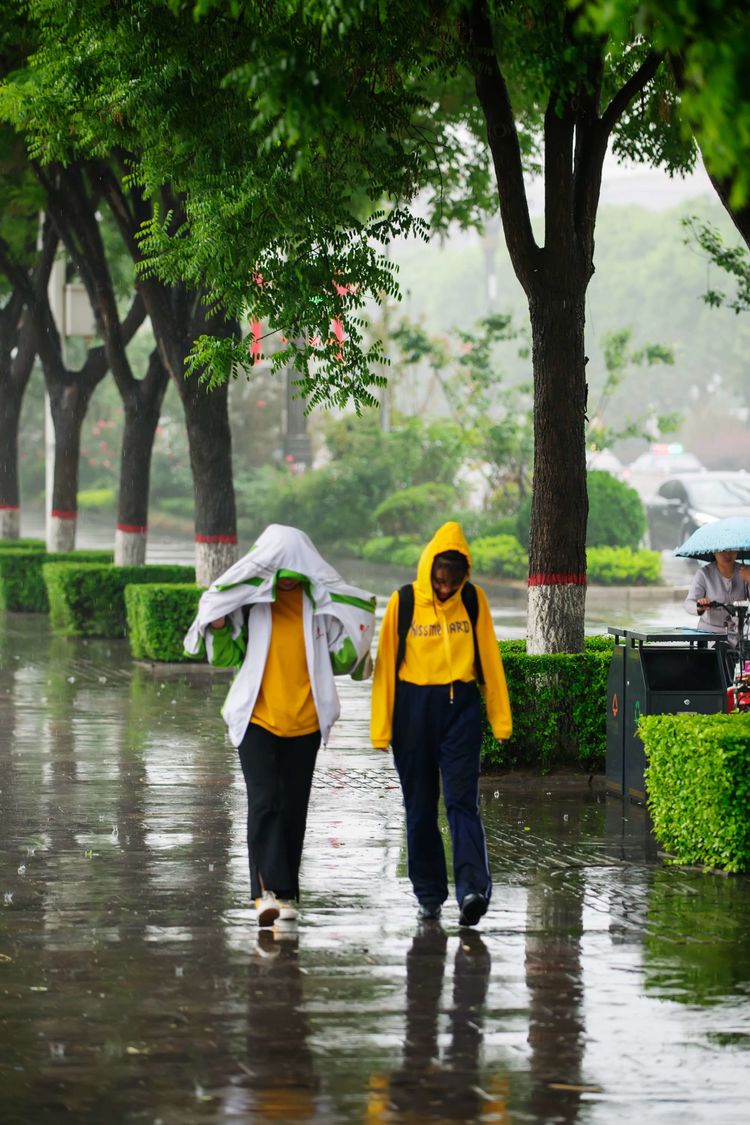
pixel 502 136
pixel 634 85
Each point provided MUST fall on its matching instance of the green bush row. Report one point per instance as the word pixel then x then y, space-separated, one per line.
pixel 502 556
pixel 23 545
pixel 22 587
pixel 698 787
pixel 397 550
pixel 158 619
pixel 88 601
pixel 559 708
pixel 621 566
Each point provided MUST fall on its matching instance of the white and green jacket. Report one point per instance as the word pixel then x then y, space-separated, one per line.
pixel 338 623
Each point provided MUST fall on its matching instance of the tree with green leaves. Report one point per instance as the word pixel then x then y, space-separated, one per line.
pixel 707 48
pixel 296 143
pixel 78 176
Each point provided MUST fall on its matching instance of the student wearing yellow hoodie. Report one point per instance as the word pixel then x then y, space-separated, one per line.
pixel 428 710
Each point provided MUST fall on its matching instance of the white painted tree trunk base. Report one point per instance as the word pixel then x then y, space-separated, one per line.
pixel 62 534
pixel 555 618
pixel 212 559
pixel 130 547
pixel 10 523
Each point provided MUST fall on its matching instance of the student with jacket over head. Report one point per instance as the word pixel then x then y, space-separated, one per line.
pixel 426 706
pixel 288 622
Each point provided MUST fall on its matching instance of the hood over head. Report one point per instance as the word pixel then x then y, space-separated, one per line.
pixel 449 537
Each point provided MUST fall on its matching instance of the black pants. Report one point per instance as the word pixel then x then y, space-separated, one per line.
pixel 278 776
pixel 437 737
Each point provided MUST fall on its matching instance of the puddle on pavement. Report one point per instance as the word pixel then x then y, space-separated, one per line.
pixel 134 986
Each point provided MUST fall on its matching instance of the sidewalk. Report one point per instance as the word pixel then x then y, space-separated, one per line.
pixel 135 987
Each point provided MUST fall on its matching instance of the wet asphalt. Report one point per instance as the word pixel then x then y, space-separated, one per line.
pixel 602 987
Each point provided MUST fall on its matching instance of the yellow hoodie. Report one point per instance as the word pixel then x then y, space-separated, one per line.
pixel 439 645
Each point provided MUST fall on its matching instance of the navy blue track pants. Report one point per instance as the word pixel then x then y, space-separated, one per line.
pixel 435 739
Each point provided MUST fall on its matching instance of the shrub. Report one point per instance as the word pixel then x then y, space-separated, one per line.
pixel 616 514
pixel 23 545
pixel 499 555
pixel 559 705
pixel 481 525
pixel 22 585
pixel 407 555
pixel 158 618
pixel 698 787
pixel 393 549
pixel 88 601
pixel 419 510
pixel 621 566
pixel 94 498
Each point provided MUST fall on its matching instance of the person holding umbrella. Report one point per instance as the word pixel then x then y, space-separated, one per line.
pixel 723 581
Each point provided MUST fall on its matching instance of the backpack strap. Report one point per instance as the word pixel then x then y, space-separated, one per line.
pixel 405 615
pixel 471 605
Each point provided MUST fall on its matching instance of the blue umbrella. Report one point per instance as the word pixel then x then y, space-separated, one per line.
pixel 731 534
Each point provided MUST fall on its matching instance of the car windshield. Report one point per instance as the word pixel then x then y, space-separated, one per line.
pixel 726 493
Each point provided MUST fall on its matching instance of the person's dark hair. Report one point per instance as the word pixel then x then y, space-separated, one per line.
pixel 456 564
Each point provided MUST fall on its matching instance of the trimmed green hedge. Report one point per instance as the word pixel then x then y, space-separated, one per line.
pixel 88 601
pixel 22 585
pixel 158 618
pixel 22 544
pixel 559 708
pixel 698 787
pixel 500 556
pixel 621 566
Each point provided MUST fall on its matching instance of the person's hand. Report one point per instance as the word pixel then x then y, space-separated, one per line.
pixel 218 623
pixel 702 603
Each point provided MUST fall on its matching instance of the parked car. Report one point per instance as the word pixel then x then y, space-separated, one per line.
pixel 684 503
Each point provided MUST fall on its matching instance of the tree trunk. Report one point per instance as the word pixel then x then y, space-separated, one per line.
pixel 68 404
pixel 210 441
pixel 10 413
pixel 142 404
pixel 17 353
pixel 557 594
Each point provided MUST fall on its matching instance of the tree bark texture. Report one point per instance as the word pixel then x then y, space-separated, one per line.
pixel 559 510
pixel 69 401
pixel 16 362
pixel 142 401
pixel 18 347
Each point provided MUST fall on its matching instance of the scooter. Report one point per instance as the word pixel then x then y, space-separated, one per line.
pixel 738 692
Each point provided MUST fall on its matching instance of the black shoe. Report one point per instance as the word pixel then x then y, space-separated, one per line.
pixel 473 906
pixel 428 913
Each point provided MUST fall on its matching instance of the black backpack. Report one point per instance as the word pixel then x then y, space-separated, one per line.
pixel 406 613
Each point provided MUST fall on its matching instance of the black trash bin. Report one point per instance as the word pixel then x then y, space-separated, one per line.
pixel 656 672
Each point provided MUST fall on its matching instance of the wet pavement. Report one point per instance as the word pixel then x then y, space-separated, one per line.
pixel 602 987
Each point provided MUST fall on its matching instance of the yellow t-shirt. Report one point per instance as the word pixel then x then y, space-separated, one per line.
pixel 285 703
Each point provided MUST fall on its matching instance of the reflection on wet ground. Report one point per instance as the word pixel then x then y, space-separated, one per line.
pixel 134 986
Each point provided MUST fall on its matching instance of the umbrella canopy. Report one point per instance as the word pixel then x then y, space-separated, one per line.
pixel 731 534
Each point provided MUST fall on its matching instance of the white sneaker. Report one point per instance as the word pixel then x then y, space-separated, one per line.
pixel 267 908
pixel 287 911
